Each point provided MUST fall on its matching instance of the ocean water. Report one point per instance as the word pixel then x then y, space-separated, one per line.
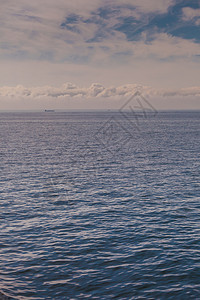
pixel 100 205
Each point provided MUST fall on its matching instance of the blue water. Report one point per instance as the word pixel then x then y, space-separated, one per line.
pixel 100 205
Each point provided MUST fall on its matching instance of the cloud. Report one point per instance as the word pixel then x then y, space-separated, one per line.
pixel 112 42
pixel 144 6
pixel 190 14
pixel 77 31
pixel 185 92
pixel 96 90
pixel 165 46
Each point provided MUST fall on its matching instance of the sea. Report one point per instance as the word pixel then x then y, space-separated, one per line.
pixel 100 205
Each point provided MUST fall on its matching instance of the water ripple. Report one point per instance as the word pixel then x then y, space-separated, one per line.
pixel 81 222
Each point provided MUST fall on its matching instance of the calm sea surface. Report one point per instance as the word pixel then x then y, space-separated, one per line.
pixel 100 205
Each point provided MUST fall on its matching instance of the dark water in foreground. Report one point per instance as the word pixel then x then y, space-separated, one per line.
pixel 100 206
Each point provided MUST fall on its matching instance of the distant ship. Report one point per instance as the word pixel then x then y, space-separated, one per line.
pixel 49 110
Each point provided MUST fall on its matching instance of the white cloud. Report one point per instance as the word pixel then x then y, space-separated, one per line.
pixel 158 6
pixel 31 30
pixel 191 14
pixel 36 50
pixel 73 97
pixel 96 90
pixel 165 45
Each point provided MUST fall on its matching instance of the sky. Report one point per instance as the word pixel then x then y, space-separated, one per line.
pixel 95 54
